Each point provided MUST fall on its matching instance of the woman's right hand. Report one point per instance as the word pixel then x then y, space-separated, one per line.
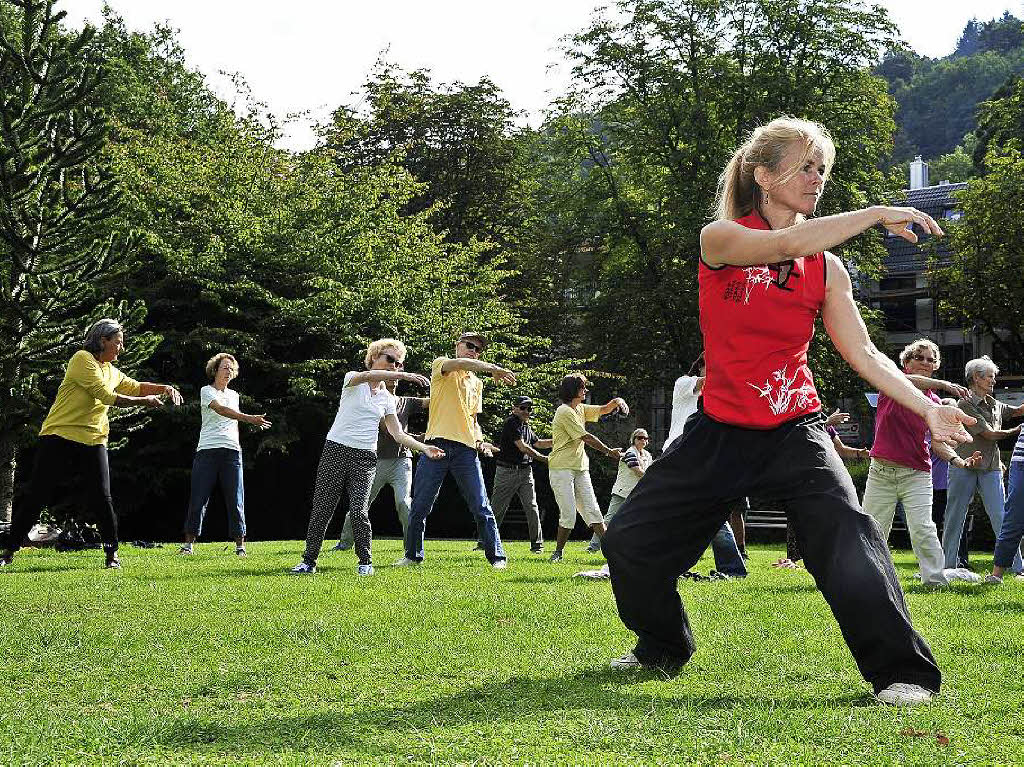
pixel 947 424
pixel 416 378
pixel 897 221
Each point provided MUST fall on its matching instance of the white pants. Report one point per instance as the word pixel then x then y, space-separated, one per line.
pixel 574 492
pixel 889 483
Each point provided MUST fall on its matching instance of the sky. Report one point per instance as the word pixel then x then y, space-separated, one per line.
pixel 310 56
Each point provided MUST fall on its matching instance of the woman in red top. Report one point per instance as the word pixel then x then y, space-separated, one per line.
pixel 764 276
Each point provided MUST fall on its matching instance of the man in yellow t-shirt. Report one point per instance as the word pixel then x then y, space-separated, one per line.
pixel 73 439
pixel 568 464
pixel 456 399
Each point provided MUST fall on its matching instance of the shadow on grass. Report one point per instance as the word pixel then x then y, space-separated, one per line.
pixel 490 704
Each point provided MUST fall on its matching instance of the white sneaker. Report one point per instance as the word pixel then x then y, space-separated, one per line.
pixel 627 661
pixel 364 570
pixel 996 579
pixel 901 694
pixel 303 569
pixel 601 574
pixel 500 564
pixel 406 562
pixel 961 574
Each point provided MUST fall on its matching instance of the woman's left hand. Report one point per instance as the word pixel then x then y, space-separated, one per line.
pixel 174 395
pixel 956 389
pixel 433 453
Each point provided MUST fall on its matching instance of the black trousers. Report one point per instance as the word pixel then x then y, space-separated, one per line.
pixel 57 458
pixel 672 514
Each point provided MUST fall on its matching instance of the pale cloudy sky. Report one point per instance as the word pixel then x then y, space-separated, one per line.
pixel 310 55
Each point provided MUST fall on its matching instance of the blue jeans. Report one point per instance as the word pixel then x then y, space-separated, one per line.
pixel 962 485
pixel 1012 530
pixel 218 464
pixel 464 464
pixel 727 553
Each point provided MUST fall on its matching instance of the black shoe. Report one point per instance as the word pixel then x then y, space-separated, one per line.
pixel 744 555
pixel 714 575
pixel 113 563
pixel 537 548
pixel 478 547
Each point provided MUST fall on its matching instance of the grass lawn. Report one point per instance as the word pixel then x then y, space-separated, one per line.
pixel 217 659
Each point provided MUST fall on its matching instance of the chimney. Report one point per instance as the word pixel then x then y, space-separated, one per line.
pixel 918 173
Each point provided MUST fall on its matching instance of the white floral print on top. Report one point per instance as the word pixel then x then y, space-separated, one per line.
pixel 782 398
pixel 756 275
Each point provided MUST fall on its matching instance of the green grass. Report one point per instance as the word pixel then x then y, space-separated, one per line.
pixel 215 659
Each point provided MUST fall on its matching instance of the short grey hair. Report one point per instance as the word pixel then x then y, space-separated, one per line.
pixel 105 328
pixel 983 364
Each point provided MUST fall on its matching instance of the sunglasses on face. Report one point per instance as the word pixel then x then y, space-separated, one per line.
pixel 645 439
pixel 922 358
pixel 473 347
pixel 393 360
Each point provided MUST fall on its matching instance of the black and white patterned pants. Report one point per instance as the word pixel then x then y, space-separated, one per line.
pixel 342 469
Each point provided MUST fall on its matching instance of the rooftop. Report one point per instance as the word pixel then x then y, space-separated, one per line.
pixel 904 257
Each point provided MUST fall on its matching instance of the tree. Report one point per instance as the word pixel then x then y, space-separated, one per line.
pixel 957 165
pixel 662 95
pixel 57 253
pixel 983 282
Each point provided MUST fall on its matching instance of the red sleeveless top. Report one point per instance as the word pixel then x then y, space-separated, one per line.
pixel 757 323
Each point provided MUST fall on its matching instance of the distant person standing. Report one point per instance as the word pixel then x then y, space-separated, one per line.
pixel 73 439
pixel 394 465
pixel 1012 531
pixel 456 399
pixel 218 458
pixel 568 464
pixel 986 476
pixel 517 450
pixel 634 464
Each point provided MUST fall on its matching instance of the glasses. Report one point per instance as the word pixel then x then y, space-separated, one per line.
pixel 473 347
pixel 526 408
pixel 393 360
pixel 921 358
pixel 645 439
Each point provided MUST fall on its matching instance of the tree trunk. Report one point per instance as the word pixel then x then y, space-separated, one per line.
pixel 8 460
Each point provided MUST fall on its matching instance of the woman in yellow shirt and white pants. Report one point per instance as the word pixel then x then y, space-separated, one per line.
pixel 73 439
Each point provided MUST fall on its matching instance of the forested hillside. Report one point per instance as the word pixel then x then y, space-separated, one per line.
pixel 938 98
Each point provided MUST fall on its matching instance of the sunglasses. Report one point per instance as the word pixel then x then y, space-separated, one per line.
pixel 473 347
pixel 526 408
pixel 645 439
pixel 922 358
pixel 393 360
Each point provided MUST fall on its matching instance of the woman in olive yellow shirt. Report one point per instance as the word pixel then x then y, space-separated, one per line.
pixel 73 439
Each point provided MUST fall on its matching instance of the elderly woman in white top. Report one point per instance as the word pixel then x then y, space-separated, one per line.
pixel 635 462
pixel 986 475
pixel 349 460
pixel 218 457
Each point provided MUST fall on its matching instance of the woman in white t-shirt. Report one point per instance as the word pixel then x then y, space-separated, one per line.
pixel 634 464
pixel 349 460
pixel 218 457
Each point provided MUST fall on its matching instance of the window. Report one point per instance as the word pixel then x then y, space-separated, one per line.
pixel 900 313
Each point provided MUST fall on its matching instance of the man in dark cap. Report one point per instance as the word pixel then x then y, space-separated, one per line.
pixel 517 450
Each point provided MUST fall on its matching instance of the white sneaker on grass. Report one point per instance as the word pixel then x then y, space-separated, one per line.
pixel 406 562
pixel 556 557
pixel 994 579
pixel 600 574
pixel 364 570
pixel 961 574
pixel 627 661
pixel 902 694
pixel 303 569
pixel 186 549
pixel 500 564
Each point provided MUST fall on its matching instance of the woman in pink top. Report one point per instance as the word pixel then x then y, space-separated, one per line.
pixel 901 466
